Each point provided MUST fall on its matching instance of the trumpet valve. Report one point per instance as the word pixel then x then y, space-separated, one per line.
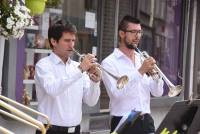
pixel 154 74
pixel 145 54
pixel 95 70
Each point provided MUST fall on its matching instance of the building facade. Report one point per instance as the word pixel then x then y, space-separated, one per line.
pixel 170 35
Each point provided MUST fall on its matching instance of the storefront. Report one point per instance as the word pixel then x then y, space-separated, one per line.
pixel 170 36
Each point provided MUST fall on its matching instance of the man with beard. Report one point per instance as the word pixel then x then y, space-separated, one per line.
pixel 135 95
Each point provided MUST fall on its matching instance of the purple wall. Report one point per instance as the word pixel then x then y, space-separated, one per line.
pixel 19 68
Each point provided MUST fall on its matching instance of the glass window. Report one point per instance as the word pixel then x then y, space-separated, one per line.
pixel 162 39
pixel 83 14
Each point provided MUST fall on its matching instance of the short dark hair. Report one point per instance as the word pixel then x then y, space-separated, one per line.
pixel 56 30
pixel 127 19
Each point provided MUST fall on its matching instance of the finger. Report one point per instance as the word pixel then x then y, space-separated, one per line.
pixel 153 61
pixel 148 60
pixel 90 55
pixel 93 60
pixel 96 78
pixel 96 73
pixel 93 77
pixel 91 70
pixel 94 70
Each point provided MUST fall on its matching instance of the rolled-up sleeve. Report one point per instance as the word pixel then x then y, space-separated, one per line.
pixel 91 91
pixel 156 87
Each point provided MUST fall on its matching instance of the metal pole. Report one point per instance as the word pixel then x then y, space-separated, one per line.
pixel 2 44
pixel 116 23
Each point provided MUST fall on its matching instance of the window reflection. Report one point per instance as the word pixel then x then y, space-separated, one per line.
pixel 83 15
pixel 162 39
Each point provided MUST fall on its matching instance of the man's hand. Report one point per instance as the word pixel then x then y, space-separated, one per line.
pixel 95 73
pixel 147 66
pixel 87 62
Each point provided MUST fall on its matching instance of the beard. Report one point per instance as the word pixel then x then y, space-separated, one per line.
pixel 130 45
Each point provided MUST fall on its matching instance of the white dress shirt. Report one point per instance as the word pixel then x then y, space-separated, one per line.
pixel 136 94
pixel 61 88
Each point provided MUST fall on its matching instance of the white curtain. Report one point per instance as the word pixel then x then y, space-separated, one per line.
pixel 2 44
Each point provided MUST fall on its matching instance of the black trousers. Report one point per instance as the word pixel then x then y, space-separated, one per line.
pixel 144 124
pixel 60 130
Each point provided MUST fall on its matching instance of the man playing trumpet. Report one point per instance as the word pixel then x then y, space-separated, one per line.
pixel 137 92
pixel 62 84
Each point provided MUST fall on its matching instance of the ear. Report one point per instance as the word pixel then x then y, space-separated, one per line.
pixel 53 42
pixel 121 33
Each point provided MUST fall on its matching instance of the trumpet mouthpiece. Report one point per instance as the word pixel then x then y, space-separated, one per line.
pixel 135 46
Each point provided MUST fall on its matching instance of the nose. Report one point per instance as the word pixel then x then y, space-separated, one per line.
pixel 137 36
pixel 71 44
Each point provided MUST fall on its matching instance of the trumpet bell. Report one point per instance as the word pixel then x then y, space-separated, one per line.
pixel 174 91
pixel 122 81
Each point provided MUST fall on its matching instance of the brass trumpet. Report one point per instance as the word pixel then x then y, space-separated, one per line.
pixel 121 80
pixel 21 116
pixel 173 90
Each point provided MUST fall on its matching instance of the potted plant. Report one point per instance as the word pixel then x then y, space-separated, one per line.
pixel 36 6
pixel 53 3
pixel 14 17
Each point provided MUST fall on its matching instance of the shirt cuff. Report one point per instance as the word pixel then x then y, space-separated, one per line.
pixel 94 84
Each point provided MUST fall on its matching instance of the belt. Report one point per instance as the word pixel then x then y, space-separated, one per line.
pixel 71 129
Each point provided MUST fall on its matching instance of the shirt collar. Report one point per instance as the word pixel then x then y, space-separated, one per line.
pixel 118 53
pixel 57 59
